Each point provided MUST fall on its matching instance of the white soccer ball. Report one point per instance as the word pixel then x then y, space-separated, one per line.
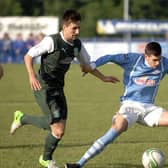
pixel 153 158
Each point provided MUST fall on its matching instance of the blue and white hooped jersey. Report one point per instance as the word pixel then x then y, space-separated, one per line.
pixel 141 82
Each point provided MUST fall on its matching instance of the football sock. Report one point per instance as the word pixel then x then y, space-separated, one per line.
pixel 50 145
pixel 99 145
pixel 38 121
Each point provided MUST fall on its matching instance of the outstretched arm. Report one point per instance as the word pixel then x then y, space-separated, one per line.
pixel 103 77
pixel 87 68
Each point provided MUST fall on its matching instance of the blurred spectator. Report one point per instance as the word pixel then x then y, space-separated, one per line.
pixel 6 49
pixel 30 41
pixel 38 38
pixel 13 50
pixel 19 48
pixel 0 50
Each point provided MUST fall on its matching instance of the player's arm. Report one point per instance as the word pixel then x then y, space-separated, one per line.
pixel 119 59
pixel 84 60
pixel 103 77
pixel 1 71
pixel 45 46
pixel 34 83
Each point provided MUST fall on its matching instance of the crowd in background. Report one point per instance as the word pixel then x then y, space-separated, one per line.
pixel 13 50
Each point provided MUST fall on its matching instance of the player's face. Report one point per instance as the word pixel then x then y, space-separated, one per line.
pixel 71 31
pixel 152 60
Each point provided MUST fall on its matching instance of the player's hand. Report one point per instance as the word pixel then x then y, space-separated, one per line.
pixel 34 83
pixel 111 79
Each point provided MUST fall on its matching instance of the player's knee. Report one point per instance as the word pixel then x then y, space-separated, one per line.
pixel 120 124
pixel 58 134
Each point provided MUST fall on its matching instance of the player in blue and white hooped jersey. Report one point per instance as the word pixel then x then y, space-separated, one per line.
pixel 141 79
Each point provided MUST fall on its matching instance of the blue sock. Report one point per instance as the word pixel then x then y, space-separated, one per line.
pixel 99 145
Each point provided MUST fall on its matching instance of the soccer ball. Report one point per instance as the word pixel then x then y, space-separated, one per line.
pixel 153 158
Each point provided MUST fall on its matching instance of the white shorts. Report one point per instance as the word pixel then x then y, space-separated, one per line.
pixel 146 114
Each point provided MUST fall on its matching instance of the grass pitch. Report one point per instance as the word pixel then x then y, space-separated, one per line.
pixel 91 105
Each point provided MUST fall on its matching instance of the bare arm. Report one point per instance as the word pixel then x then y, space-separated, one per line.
pixel 45 46
pixel 34 83
pixel 86 68
pixel 84 60
pixel 1 72
pixel 104 78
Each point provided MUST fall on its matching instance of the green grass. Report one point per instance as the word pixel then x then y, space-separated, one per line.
pixel 91 105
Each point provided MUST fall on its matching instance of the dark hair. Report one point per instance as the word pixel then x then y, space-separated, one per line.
pixel 153 48
pixel 70 15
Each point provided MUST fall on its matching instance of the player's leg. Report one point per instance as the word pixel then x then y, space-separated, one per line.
pixel 51 142
pixel 57 131
pixel 39 121
pixel 21 119
pixel 58 115
pixel 163 120
pixel 117 128
pixel 121 122
pixel 43 122
pixel 156 116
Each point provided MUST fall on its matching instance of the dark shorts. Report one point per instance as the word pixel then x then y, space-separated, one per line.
pixel 52 102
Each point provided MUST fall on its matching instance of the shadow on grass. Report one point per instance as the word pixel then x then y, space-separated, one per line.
pixel 69 145
pixel 41 145
pixel 119 165
pixel 20 146
pixel 116 165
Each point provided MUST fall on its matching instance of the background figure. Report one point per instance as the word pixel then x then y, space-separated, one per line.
pixel 1 71
pixel 19 48
pixel 30 41
pixel 39 37
pixel 1 50
pixel 6 49
pixel 37 40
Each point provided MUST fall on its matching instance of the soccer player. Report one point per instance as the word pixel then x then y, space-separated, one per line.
pixel 57 52
pixel 141 78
